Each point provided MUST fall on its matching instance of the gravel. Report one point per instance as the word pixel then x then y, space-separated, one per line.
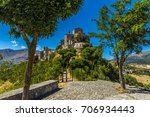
pixel 97 90
pixel 133 94
pixel 85 90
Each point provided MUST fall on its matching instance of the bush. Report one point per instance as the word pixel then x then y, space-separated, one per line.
pixel 100 72
pixel 42 71
pixel 133 82
pixel 130 80
pixel 79 74
pixel 147 86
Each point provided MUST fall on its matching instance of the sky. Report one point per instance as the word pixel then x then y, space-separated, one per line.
pixel 83 19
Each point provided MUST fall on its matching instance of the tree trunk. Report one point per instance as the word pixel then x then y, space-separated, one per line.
pixel 72 74
pixel 81 75
pixel 63 75
pixel 28 73
pixel 121 78
pixel 66 75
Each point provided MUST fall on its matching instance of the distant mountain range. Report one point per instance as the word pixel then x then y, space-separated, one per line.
pixel 15 56
pixel 142 58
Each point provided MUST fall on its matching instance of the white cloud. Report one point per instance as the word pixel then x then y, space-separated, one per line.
pixel 14 43
pixel 38 48
pixel 23 47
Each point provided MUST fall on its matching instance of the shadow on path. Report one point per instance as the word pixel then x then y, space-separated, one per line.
pixel 134 89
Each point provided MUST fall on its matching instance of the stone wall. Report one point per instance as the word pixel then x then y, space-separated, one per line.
pixel 36 91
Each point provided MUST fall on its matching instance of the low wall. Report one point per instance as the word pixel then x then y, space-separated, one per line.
pixel 36 91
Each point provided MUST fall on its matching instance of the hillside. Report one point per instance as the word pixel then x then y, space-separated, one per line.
pixel 142 58
pixel 15 56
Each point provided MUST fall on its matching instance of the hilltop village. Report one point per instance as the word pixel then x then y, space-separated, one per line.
pixel 77 40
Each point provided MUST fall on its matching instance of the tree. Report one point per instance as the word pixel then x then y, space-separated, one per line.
pixel 66 55
pixel 58 47
pixel 92 54
pixel 81 64
pixel 81 38
pixel 34 19
pixel 124 29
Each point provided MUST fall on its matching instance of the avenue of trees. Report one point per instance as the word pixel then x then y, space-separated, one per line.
pixel 124 29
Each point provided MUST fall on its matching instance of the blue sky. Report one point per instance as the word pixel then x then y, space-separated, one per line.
pixel 82 20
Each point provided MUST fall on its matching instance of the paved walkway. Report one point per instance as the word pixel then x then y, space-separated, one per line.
pixel 97 90
pixel 85 90
pixel 133 94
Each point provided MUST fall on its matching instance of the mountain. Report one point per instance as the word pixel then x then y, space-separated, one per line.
pixel 15 56
pixel 142 58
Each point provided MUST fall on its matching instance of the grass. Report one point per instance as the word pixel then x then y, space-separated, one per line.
pixel 141 72
pixel 119 89
pixel 141 78
pixel 6 86
pixel 62 84
pixel 140 66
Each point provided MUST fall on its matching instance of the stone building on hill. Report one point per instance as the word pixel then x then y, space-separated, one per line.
pixel 44 55
pixel 78 39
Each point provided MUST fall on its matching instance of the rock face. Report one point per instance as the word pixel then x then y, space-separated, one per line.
pixel 142 58
pixel 15 56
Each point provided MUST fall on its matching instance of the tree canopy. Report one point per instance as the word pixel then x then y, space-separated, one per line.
pixel 66 55
pixel 37 16
pixel 125 29
pixel 33 19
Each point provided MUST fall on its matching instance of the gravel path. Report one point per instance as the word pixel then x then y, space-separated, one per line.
pixel 97 90
pixel 133 94
pixel 85 90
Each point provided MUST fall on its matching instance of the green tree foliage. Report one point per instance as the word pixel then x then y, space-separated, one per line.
pixel 81 68
pixel 80 38
pixel 33 19
pixel 91 66
pixel 58 47
pixel 4 71
pixel 124 29
pixel 78 63
pixel 42 71
pixel 133 82
pixel 93 54
pixel 66 55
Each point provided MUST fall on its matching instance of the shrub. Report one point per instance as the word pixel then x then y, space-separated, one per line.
pixel 147 86
pixel 130 80
pixel 133 82
pixel 42 71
